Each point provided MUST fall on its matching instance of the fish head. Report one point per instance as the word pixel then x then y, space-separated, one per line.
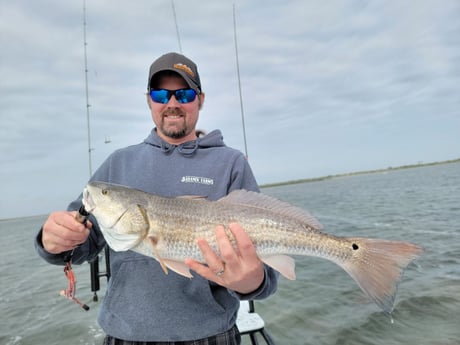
pixel 107 202
pixel 119 212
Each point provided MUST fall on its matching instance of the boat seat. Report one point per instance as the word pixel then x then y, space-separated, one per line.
pixel 250 324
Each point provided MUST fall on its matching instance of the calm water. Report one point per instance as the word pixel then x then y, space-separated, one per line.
pixel 324 305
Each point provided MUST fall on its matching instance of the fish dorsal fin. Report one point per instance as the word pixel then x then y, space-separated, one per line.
pixel 263 201
pixel 192 197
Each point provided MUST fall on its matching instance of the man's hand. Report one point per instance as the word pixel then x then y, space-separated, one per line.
pixel 62 232
pixel 239 270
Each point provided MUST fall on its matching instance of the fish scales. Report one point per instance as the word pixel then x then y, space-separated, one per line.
pixel 183 222
pixel 167 229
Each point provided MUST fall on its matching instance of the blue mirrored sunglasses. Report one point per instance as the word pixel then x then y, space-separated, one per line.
pixel 163 95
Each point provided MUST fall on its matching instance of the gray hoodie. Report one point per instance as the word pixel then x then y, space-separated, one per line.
pixel 141 302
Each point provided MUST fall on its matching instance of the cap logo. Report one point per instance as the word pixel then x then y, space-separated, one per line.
pixel 184 68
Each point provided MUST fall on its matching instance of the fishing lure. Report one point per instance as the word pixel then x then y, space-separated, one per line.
pixel 81 217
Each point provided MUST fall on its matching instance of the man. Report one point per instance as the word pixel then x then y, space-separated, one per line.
pixel 142 304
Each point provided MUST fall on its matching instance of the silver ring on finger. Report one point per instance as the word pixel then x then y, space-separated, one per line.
pixel 221 271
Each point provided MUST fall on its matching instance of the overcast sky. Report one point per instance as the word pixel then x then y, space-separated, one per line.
pixel 328 86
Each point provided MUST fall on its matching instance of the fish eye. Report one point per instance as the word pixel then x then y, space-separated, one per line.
pixel 105 192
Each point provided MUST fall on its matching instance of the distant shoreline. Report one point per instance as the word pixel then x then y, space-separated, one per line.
pixel 328 177
pixel 314 179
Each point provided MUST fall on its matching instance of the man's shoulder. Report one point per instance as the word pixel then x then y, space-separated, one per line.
pixel 129 149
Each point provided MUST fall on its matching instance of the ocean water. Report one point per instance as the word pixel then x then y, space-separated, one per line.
pixel 323 306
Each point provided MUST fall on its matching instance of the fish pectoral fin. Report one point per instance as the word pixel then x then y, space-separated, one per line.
pixel 175 266
pixel 154 241
pixel 178 267
pixel 283 264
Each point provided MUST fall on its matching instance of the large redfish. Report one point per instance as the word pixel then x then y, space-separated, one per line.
pixel 167 229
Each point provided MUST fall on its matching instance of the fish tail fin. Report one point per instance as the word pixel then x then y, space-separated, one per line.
pixel 377 267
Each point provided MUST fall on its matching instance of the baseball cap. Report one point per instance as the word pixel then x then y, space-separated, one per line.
pixel 180 64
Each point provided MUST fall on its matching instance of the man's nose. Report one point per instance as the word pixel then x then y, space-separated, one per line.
pixel 173 103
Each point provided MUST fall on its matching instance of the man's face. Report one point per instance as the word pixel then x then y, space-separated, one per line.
pixel 175 121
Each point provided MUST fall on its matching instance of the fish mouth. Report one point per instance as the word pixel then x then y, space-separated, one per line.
pixel 88 201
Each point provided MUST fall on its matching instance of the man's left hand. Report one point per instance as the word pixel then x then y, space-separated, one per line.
pixel 238 269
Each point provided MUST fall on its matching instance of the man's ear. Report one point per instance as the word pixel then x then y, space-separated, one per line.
pixel 201 97
pixel 148 100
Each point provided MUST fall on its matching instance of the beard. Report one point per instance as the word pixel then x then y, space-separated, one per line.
pixel 176 129
pixel 174 134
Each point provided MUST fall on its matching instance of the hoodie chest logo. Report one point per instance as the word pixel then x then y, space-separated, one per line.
pixel 197 180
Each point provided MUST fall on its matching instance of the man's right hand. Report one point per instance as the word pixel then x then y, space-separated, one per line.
pixel 62 232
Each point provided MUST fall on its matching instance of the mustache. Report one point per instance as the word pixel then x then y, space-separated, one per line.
pixel 173 111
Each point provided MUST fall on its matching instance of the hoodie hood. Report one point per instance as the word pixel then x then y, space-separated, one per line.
pixel 212 139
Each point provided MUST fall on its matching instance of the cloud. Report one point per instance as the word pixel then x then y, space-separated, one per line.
pixel 328 87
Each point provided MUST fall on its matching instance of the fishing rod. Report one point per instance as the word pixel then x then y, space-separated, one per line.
pixel 177 26
pixel 88 127
pixel 239 82
pixel 95 273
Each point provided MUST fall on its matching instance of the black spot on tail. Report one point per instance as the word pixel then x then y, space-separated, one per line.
pixel 355 246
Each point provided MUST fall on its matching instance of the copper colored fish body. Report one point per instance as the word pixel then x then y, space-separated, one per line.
pixel 167 229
